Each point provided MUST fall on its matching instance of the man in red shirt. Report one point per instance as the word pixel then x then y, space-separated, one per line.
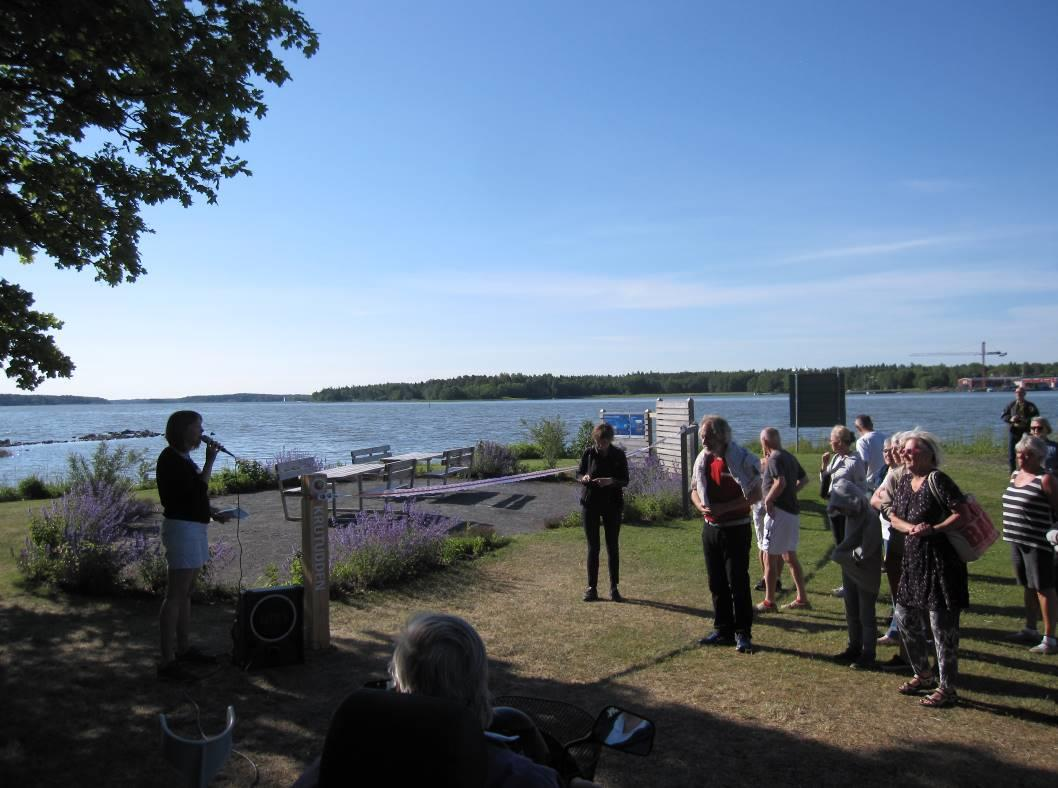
pixel 726 484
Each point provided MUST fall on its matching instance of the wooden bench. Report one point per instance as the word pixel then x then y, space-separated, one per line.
pixel 399 475
pixel 292 471
pixel 371 454
pixel 453 463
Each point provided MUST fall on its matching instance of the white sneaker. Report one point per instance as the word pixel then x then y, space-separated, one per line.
pixel 1046 646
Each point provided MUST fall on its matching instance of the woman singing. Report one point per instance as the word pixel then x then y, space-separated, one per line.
pixel 604 473
pixel 184 493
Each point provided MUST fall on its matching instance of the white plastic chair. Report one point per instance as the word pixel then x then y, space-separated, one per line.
pixel 198 760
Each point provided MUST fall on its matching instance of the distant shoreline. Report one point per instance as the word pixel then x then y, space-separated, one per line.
pixel 69 399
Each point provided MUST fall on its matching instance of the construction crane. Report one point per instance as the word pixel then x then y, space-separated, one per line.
pixel 984 364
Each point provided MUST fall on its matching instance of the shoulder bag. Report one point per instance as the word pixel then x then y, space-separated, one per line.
pixel 972 537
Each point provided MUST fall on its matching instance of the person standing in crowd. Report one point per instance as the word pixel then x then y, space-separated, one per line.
pixel 933 580
pixel 1019 415
pixel 1039 427
pixel 869 448
pixel 783 479
pixel 834 464
pixel 725 483
pixel 184 493
pixel 1029 507
pixel 603 471
pixel 860 557
pixel 893 540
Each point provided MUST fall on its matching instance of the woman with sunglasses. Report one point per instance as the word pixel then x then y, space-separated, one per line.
pixel 933 579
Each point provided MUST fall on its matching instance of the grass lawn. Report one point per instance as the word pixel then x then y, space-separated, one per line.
pixel 80 700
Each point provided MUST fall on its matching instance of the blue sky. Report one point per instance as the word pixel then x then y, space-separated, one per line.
pixel 604 187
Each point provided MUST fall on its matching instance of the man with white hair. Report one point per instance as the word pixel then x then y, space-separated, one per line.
pixel 725 483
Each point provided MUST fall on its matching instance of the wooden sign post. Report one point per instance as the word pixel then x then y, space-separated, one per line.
pixel 315 559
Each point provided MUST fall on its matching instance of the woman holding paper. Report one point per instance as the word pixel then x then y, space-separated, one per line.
pixel 603 471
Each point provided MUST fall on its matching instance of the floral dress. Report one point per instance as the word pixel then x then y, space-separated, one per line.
pixel 933 577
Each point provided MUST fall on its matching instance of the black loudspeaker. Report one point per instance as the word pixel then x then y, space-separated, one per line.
pixel 269 627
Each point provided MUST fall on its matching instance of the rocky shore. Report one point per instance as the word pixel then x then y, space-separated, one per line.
pixel 92 436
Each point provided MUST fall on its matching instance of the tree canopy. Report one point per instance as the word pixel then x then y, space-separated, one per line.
pixel 107 105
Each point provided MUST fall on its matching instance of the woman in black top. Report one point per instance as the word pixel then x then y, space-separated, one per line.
pixel 603 471
pixel 184 493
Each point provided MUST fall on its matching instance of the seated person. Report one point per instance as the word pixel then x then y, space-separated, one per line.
pixel 443 656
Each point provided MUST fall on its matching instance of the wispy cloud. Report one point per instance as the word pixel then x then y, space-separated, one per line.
pixel 892 247
pixel 932 185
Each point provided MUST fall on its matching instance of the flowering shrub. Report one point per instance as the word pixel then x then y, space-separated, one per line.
pixel 152 569
pixel 81 542
pixel 379 548
pixel 111 467
pixel 653 493
pixel 493 459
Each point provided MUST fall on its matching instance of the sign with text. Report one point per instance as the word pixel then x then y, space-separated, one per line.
pixel 315 558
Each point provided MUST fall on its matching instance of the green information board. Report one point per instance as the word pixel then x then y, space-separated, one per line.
pixel 817 399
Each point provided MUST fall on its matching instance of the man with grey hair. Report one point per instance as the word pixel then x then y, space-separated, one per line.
pixel 725 484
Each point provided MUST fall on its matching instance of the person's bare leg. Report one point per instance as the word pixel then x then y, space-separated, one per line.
pixel 1048 609
pixel 797 574
pixel 1032 608
pixel 772 570
pixel 174 618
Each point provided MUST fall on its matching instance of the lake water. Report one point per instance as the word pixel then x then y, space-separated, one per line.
pixel 329 430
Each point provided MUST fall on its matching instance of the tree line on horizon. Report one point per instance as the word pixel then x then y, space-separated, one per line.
pixel 878 377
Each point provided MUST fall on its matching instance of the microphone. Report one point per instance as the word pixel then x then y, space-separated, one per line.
pixel 215 444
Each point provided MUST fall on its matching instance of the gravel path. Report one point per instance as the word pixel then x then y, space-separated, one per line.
pixel 519 507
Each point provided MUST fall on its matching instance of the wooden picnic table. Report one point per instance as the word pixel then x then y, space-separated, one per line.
pixel 350 473
pixel 418 456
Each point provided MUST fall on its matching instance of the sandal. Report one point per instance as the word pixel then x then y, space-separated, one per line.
pixel 940 699
pixel 916 685
pixel 798 604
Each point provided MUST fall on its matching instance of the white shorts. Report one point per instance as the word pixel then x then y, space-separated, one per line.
pixel 782 532
pixel 186 544
pixel 758 524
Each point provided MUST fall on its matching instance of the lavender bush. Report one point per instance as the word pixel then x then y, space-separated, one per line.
pixel 653 492
pixel 82 542
pixel 379 548
pixel 152 569
pixel 493 459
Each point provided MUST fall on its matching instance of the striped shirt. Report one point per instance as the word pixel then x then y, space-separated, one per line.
pixel 1027 515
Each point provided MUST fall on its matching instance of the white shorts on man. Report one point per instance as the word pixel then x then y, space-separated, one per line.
pixel 781 532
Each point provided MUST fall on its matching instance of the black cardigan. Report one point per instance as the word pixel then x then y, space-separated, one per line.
pixel 613 464
pixel 183 494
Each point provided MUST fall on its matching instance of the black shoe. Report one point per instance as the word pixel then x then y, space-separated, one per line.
pixel 778 586
pixel 895 662
pixel 194 656
pixel 848 656
pixel 174 671
pixel 864 662
pixel 615 595
pixel 760 585
pixel 743 643
pixel 715 638
pixel 591 595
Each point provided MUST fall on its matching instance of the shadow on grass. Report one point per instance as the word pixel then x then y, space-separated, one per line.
pixel 694 612
pixel 996 579
pixel 81 704
pixel 741 753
